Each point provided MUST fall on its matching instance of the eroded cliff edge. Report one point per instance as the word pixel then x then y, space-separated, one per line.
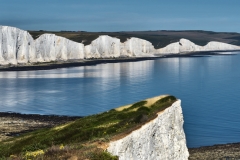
pixel 161 138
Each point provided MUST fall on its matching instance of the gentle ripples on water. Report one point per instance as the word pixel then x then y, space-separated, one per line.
pixel 208 87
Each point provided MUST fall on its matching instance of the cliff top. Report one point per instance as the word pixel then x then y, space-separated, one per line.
pixel 84 136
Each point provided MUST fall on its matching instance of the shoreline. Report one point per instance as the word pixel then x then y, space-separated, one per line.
pixel 72 63
pixel 226 151
pixel 91 62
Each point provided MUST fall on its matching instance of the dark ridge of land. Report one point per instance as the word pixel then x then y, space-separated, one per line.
pixel 159 38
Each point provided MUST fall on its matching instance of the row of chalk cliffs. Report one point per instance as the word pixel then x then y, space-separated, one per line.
pixel 18 47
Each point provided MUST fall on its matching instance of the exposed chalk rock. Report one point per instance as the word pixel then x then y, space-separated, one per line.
pixel 109 47
pixel 103 47
pixel 137 47
pixel 219 46
pixel 50 47
pixel 172 48
pixel 16 46
pixel 186 46
pixel 162 138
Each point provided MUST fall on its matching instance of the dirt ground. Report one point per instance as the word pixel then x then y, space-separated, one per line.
pixel 14 124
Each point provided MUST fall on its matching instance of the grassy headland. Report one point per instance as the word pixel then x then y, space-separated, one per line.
pixel 85 138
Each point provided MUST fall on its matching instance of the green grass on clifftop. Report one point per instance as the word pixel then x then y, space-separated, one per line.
pixel 86 134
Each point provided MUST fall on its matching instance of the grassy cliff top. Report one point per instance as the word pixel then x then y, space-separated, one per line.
pixel 85 138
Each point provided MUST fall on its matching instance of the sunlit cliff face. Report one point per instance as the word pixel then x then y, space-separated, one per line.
pixel 161 138
pixel 18 47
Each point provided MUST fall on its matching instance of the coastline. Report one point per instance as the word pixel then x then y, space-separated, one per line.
pixel 90 62
pixel 71 63
pixel 227 151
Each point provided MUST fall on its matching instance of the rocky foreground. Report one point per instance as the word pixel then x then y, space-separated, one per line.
pixel 14 124
pixel 222 152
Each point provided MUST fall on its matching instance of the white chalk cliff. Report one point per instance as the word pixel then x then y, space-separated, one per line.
pixel 162 138
pixel 109 47
pixel 18 47
pixel 103 47
pixel 186 46
pixel 137 47
pixel 50 47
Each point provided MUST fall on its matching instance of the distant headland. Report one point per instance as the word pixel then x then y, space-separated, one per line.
pixel 19 49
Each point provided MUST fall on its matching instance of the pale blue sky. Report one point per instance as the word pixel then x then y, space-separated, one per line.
pixel 121 15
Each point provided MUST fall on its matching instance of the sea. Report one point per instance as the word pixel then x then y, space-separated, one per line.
pixel 208 86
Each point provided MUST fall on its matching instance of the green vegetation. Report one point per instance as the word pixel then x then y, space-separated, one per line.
pixel 91 131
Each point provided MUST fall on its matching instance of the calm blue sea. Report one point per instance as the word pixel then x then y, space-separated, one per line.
pixel 208 87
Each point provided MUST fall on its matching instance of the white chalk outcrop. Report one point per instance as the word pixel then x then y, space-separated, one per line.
pixel 103 47
pixel 109 47
pixel 186 46
pixel 219 46
pixel 50 47
pixel 137 47
pixel 172 48
pixel 162 138
pixel 16 46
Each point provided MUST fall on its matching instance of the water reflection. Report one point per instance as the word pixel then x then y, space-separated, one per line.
pixel 208 87
pixel 26 90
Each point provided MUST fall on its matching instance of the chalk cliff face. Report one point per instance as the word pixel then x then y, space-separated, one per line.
pixel 161 138
pixel 186 46
pixel 218 46
pixel 109 47
pixel 172 48
pixel 137 47
pixel 50 47
pixel 103 47
pixel 16 46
